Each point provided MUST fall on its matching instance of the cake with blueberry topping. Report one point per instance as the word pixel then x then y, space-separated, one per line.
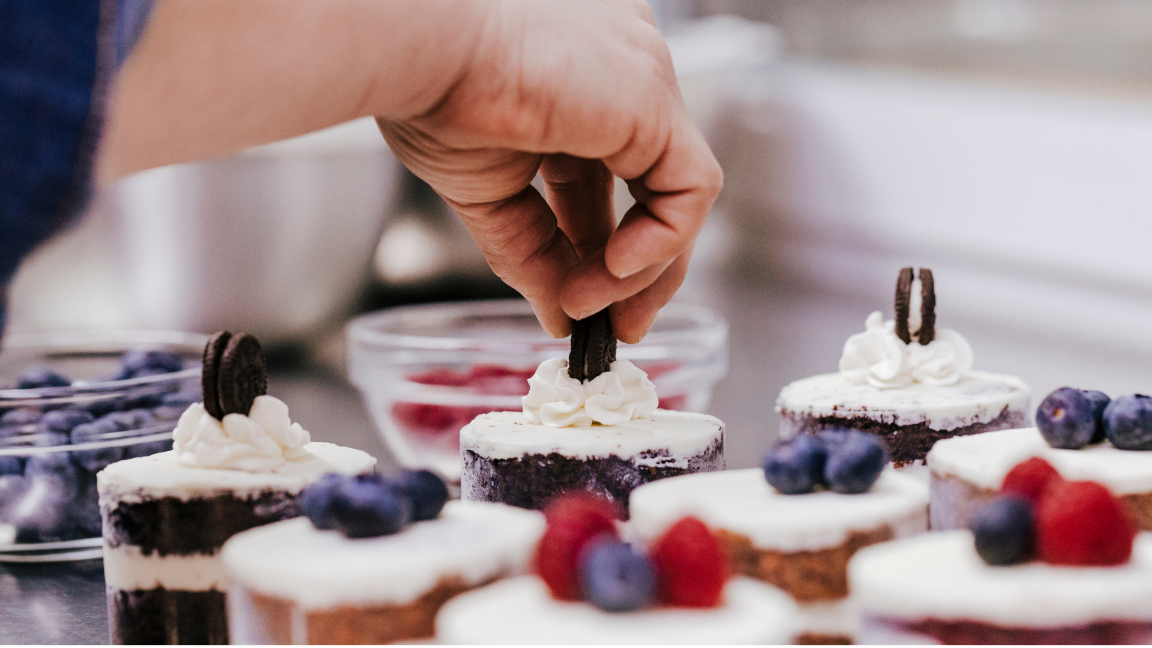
pixel 590 423
pixel 593 588
pixel 372 563
pixel 798 522
pixel 1083 434
pixel 1048 561
pixel 238 462
pixel 907 381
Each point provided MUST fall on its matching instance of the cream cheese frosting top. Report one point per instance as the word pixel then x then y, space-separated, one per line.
pixel 521 611
pixel 471 542
pixel 162 475
pixel 742 501
pixel 939 576
pixel 263 440
pixel 877 357
pixel 984 460
pixel 621 394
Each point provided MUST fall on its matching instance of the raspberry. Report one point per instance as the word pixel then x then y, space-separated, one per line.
pixel 691 565
pixel 573 520
pixel 1081 523
pixel 1030 478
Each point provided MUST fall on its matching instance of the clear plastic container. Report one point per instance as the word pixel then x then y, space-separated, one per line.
pixel 54 439
pixel 426 371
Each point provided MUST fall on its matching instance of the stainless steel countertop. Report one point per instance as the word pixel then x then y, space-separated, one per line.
pixel 778 334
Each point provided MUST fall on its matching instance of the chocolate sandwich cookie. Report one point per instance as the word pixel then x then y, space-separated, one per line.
pixel 593 347
pixel 927 307
pixel 927 331
pixel 233 375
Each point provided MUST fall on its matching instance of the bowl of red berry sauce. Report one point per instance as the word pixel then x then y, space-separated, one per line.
pixel 426 371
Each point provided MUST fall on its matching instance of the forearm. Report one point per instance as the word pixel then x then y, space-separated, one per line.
pixel 210 77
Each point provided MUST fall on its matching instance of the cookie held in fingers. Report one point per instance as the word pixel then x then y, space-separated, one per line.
pixel 210 372
pixel 593 347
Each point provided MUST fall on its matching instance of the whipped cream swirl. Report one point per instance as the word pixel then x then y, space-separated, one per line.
pixel 881 359
pixel 264 440
pixel 621 394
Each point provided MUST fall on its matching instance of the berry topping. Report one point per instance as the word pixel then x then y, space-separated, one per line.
pixel 796 466
pixel 1067 419
pixel 573 520
pixel 426 490
pixel 1004 530
pixel 1099 402
pixel 616 578
pixel 368 509
pixel 1029 479
pixel 315 501
pixel 691 565
pixel 139 363
pixel 39 376
pixel 855 464
pixel 1128 420
pixel 1081 523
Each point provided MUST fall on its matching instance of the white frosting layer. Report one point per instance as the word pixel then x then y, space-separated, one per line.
pixel 984 459
pixel 879 358
pixel 264 439
pixel 742 501
pixel 521 611
pixel 161 475
pixel 681 435
pixel 127 568
pixel 471 541
pixel 939 575
pixel 621 394
pixel 978 397
pixel 827 618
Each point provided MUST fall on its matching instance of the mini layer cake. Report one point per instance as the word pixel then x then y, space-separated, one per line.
pixel 967 472
pixel 521 611
pixel 934 588
pixel 238 462
pixel 800 543
pixel 906 381
pixel 590 424
pixel 290 583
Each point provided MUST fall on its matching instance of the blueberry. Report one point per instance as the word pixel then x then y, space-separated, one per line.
pixel 833 438
pixel 20 418
pixel 104 404
pixel 147 449
pixel 1004 530
pixel 84 510
pixel 96 459
pixel 39 376
pixel 1129 422
pixel 45 439
pixel 62 421
pixel 1099 402
pixel 1066 419
pixel 40 514
pixel 796 466
pixel 425 490
pixel 856 464
pixel 55 467
pixel 130 420
pixel 138 363
pixel 615 578
pixel 367 509
pixel 12 489
pixel 316 500
pixel 10 465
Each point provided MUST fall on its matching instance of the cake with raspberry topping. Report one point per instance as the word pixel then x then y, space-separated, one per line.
pixel 907 381
pixel 797 523
pixel 589 423
pixel 372 563
pixel 238 461
pixel 593 588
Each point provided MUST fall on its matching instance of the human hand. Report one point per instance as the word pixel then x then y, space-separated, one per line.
pixel 580 92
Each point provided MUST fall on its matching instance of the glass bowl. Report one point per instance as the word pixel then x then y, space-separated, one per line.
pixel 126 391
pixel 426 371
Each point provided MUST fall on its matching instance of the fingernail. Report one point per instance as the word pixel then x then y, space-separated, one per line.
pixel 629 273
pixel 582 315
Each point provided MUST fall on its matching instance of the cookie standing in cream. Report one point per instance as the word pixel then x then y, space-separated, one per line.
pixel 166 516
pixel 604 435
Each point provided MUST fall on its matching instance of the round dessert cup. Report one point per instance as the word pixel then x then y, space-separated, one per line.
pixel 164 525
pixel 48 500
pixel 290 583
pixel 934 588
pixel 967 472
pixel 799 543
pixel 427 371
pixel 522 611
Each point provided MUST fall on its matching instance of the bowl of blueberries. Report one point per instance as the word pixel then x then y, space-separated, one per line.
pixel 426 371
pixel 70 404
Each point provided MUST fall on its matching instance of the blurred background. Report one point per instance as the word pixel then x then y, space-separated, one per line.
pixel 1006 144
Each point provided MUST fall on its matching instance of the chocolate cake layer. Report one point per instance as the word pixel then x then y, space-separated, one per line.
pixel 160 616
pixel 965 632
pixel 808 576
pixel 169 525
pixel 907 443
pixel 815 639
pixel 533 480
